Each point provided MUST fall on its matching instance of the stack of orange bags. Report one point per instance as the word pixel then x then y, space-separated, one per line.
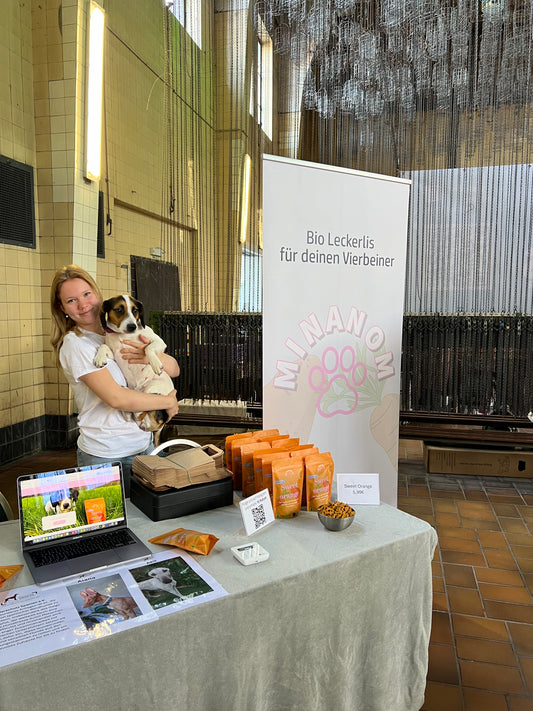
pixel 294 474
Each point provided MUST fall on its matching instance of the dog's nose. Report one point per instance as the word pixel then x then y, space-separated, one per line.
pixel 131 327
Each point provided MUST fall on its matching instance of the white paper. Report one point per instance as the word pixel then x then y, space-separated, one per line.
pixel 35 620
pixel 358 489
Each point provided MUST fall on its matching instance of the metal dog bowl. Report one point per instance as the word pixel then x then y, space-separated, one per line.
pixel 335 524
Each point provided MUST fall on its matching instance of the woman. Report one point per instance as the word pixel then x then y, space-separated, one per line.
pixel 101 394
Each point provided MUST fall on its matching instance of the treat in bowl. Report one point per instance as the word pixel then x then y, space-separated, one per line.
pixel 336 516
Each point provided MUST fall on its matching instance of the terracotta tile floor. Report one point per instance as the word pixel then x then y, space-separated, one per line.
pixel 481 647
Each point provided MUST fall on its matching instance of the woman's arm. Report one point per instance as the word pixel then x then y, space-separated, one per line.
pixel 134 353
pixel 103 385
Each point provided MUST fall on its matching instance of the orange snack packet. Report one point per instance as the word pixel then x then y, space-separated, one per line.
pixel 263 471
pixel 270 438
pixel 265 433
pixel 8 575
pixel 247 465
pixel 236 460
pixel 188 540
pixel 227 446
pixel 95 510
pixel 285 443
pixel 318 479
pixel 303 450
pixel 287 481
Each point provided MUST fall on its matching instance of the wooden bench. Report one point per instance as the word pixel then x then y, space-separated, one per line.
pixel 476 430
pixel 431 427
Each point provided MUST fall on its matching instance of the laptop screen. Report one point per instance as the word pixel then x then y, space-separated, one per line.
pixel 68 502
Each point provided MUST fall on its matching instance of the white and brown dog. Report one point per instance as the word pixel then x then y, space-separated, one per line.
pixel 123 319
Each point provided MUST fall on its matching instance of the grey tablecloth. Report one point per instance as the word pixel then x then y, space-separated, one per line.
pixel 332 621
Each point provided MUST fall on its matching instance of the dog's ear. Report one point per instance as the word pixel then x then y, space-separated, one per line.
pixel 139 306
pixel 106 306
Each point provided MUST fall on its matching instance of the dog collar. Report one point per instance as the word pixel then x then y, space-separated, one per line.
pixel 108 330
pixel 106 602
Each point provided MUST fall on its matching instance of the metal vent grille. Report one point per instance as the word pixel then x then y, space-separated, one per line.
pixel 17 207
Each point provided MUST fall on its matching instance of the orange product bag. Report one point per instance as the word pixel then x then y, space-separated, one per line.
pixel 318 479
pixel 187 539
pixel 264 478
pixel 265 433
pixel 287 482
pixel 236 460
pixel 285 443
pixel 303 450
pixel 8 575
pixel 95 510
pixel 270 438
pixel 247 465
pixel 227 446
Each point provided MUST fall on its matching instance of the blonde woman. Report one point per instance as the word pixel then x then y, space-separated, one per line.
pixel 101 394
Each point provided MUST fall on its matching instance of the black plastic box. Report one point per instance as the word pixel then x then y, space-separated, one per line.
pixel 160 505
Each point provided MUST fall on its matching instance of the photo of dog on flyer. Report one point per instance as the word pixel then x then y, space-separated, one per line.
pixel 168 582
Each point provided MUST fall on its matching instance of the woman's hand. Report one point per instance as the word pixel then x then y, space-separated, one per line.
pixel 134 351
pixel 173 409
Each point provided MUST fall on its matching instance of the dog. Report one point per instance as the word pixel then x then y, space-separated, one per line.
pixel 124 606
pixel 123 319
pixel 59 503
pixel 161 579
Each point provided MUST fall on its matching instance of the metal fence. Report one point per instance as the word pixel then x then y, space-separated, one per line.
pixel 450 364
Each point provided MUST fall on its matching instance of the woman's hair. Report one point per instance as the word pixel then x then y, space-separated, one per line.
pixel 61 325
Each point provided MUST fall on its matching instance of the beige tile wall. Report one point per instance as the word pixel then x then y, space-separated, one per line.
pixel 42 106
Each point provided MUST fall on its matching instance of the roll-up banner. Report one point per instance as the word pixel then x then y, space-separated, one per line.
pixel 334 257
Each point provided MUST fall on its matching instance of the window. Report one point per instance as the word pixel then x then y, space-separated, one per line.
pixel 189 15
pixel 17 204
pixel 264 80
pixel 251 280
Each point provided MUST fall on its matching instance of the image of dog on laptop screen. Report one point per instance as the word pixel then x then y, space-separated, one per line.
pixel 76 500
pixel 169 582
pixel 103 602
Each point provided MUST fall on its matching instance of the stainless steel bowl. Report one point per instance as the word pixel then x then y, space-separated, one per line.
pixel 335 524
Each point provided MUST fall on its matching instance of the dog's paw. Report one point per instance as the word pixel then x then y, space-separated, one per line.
pixel 154 361
pixel 102 356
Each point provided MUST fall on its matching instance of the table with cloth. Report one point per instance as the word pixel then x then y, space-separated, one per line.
pixel 330 621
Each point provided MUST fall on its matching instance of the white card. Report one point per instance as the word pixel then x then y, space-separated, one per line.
pixel 358 489
pixel 256 511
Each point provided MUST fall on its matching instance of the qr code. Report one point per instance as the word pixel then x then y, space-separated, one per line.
pixel 259 517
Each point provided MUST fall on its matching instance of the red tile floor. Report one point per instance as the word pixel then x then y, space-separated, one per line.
pixel 481 647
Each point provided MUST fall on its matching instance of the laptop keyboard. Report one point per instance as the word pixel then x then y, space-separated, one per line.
pixel 81 547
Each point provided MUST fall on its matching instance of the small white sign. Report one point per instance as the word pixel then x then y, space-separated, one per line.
pixel 358 489
pixel 257 512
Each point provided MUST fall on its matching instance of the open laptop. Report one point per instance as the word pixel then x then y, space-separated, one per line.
pixel 74 521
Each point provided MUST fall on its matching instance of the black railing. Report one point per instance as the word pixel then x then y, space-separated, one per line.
pixel 462 365
pixel 220 355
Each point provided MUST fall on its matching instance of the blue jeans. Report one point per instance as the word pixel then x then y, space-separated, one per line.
pixel 84 459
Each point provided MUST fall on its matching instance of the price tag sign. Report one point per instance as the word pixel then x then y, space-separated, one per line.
pixel 358 489
pixel 257 512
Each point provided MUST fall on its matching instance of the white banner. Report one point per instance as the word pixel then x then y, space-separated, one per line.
pixel 333 292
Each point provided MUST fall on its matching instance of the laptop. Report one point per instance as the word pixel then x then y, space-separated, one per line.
pixel 74 521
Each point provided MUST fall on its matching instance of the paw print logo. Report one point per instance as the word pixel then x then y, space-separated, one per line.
pixel 336 379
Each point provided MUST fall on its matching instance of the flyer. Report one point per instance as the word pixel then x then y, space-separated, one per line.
pixel 36 620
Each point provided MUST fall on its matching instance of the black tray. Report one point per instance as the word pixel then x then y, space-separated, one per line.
pixel 160 505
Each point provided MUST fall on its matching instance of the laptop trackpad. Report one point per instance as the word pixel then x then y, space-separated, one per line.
pixel 87 563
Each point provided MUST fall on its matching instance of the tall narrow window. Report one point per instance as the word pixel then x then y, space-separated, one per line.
pixel 189 15
pixel 264 80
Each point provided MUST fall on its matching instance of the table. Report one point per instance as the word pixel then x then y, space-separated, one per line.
pixel 331 621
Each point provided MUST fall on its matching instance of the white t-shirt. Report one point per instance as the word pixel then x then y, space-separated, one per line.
pixel 103 430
